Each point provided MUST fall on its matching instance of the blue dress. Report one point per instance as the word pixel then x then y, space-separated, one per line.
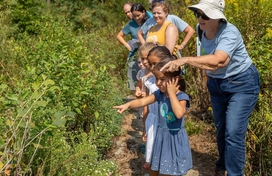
pixel 171 153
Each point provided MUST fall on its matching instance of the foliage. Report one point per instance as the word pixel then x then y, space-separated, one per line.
pixel 26 14
pixel 60 75
pixel 193 127
pixel 259 139
pixel 55 87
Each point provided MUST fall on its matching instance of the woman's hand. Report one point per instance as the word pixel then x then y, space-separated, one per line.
pixel 172 86
pixel 173 65
pixel 128 47
pixel 180 47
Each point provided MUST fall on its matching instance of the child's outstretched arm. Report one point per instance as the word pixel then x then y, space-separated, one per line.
pixel 136 103
pixel 178 107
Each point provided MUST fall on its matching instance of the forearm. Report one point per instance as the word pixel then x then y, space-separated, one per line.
pixel 135 104
pixel 123 42
pixel 141 36
pixel 189 33
pixel 206 62
pixel 178 109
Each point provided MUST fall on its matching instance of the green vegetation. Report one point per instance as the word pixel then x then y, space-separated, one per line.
pixel 62 70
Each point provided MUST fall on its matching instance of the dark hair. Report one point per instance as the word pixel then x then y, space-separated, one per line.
pixel 139 7
pixel 160 51
pixel 181 83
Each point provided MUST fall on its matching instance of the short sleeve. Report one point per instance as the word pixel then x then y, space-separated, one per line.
pixel 184 96
pixel 228 42
pixel 126 29
pixel 147 25
pixel 178 22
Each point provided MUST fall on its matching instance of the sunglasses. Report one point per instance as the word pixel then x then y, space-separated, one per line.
pixel 157 1
pixel 202 15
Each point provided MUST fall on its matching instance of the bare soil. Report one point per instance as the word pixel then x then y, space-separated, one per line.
pixel 130 160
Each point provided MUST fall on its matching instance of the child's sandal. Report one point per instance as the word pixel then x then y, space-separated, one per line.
pixel 146 166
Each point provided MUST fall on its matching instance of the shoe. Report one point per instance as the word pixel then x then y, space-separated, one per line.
pixel 146 166
pixel 220 172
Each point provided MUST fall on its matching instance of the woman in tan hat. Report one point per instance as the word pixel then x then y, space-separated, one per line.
pixel 233 82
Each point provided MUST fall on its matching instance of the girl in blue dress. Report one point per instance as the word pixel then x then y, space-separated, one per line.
pixel 171 150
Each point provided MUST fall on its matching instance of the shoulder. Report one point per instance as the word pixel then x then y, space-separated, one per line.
pixel 149 14
pixel 150 21
pixel 174 19
pixel 229 28
pixel 158 94
pixel 171 27
pixel 181 25
pixel 183 96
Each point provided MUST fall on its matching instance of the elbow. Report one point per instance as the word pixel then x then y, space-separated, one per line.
pixel 180 114
pixel 190 31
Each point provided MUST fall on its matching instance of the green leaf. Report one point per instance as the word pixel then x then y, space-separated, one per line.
pixel 112 66
pixel 49 125
pixel 37 145
pixel 52 88
pixel 84 93
pixel 36 85
pixel 44 76
pixel 49 82
pixel 70 114
pixel 3 86
pixel 41 103
pixel 2 99
pixel 35 95
pixel 12 97
pixel 78 111
pixel 96 114
pixel 59 114
pixel 59 122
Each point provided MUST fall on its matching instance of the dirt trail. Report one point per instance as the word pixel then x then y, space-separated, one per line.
pixel 130 160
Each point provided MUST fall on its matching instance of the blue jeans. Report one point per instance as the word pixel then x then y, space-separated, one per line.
pixel 132 69
pixel 233 100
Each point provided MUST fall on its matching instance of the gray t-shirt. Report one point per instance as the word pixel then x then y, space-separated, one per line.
pixel 179 23
pixel 229 40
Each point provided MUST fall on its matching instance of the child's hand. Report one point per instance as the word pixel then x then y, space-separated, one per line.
pixel 121 108
pixel 143 94
pixel 172 86
pixel 138 94
pixel 144 137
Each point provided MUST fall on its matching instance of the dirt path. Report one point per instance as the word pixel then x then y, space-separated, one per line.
pixel 130 160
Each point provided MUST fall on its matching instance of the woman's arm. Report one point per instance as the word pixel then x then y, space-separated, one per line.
pixel 140 35
pixel 207 62
pixel 189 33
pixel 171 37
pixel 120 37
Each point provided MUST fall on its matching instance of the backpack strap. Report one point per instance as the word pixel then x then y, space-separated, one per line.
pixel 198 39
pixel 199 32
